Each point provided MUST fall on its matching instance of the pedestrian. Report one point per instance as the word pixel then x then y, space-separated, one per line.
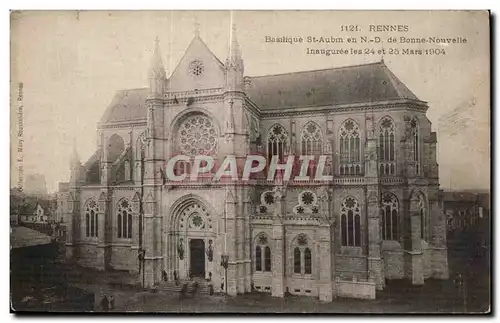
pixel 105 304
pixel 111 302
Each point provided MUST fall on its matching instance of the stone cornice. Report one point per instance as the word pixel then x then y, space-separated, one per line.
pixel 198 99
pixel 193 93
pixel 122 124
pixel 355 107
pixel 252 107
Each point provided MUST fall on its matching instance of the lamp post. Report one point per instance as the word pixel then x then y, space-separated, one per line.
pixel 142 259
pixel 224 262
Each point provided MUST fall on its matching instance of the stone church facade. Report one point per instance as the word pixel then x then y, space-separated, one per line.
pixel 378 218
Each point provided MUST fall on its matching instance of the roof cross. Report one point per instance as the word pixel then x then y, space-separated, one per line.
pixel 196 27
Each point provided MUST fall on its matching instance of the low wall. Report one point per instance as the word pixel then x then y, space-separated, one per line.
pixel 355 289
pixel 262 281
pixel 297 285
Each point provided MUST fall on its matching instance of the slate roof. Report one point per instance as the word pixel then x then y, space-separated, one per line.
pixel 127 105
pixel 344 85
pixel 459 197
pixel 366 83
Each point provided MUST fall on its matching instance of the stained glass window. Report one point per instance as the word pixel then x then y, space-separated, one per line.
pixel 197 136
pixel 91 218
pixel 124 219
pixel 311 139
pixel 386 142
pixel 350 223
pixel 389 214
pixel 262 263
pixel 350 148
pixel 277 142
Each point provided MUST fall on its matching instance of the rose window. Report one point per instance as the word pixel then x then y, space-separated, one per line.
pixel 307 198
pixel 308 203
pixel 197 136
pixel 196 220
pixel 196 217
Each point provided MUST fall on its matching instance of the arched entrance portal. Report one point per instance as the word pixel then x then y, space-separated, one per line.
pixel 191 233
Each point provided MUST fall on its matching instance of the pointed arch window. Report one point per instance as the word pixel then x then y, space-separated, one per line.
pixel 126 166
pixel 140 153
pixel 267 258
pixel 421 211
pixel 350 220
pixel 115 147
pixel 124 219
pixel 307 261
pixel 390 220
pixel 311 138
pixel 302 256
pixel 277 142
pixel 386 144
pixel 296 260
pixel 91 218
pixel 262 254
pixel 258 258
pixel 350 148
pixel 312 144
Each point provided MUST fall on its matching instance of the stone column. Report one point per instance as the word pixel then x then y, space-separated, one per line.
pixel 247 241
pixel 416 269
pixel 278 260
pixel 278 236
pixel 375 264
pixel 438 248
pixel 136 201
pixel 231 244
pixel 73 223
pixel 104 230
pixel 323 235
pixel 151 241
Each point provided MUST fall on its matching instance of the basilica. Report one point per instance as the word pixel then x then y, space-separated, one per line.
pixel 377 219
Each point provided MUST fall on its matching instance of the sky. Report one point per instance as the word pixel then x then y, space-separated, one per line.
pixel 72 63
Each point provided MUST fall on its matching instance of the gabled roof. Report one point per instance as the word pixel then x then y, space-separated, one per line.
pixel 45 205
pixel 197 41
pixel 366 83
pixel 344 85
pixel 127 105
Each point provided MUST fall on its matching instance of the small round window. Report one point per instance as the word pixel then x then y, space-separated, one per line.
pixel 196 68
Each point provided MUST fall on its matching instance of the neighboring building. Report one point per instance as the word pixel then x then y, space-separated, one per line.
pixel 38 213
pixel 61 211
pixel 465 210
pixel 37 281
pixel 62 202
pixel 35 185
pixel 17 198
pixel 379 218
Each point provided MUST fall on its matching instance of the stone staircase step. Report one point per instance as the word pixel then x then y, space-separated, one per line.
pixel 190 287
